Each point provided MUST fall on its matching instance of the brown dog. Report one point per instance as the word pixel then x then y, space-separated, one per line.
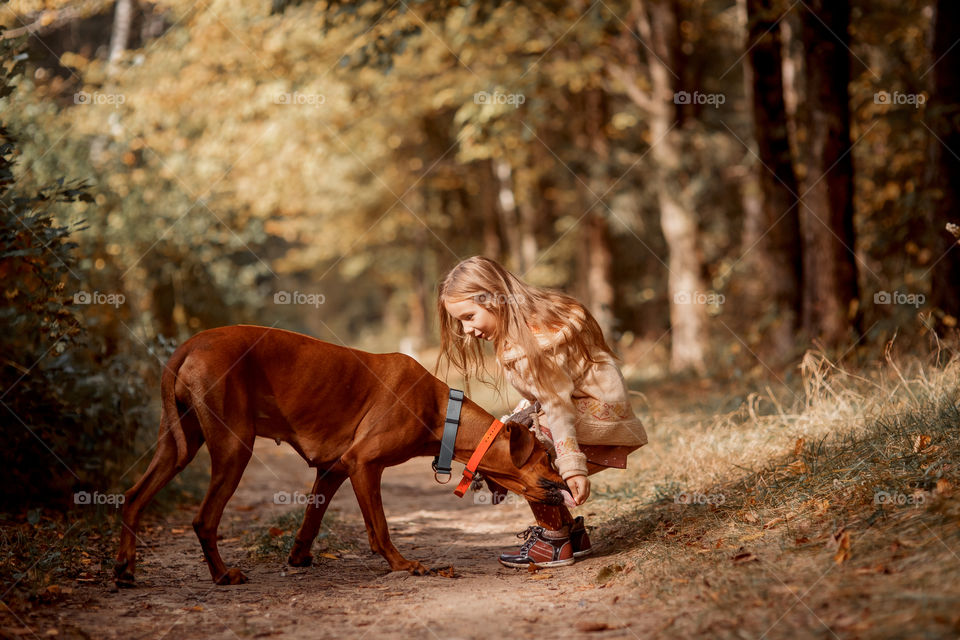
pixel 349 413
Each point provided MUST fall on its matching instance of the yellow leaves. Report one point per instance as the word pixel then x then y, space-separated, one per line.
pixel 75 60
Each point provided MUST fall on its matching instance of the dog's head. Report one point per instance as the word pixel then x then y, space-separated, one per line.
pixel 518 462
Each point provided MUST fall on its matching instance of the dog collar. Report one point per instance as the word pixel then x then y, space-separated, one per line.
pixel 442 462
pixel 471 469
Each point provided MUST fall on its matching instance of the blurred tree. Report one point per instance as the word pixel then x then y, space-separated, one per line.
pixel 772 230
pixel 658 24
pixel 830 290
pixel 943 120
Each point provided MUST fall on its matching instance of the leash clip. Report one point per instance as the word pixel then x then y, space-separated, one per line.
pixel 437 472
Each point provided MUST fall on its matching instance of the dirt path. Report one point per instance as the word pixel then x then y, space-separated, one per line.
pixel 354 595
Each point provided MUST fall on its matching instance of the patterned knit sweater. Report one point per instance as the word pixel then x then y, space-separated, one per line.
pixel 593 407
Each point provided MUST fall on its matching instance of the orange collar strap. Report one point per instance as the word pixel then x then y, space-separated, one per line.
pixel 478 453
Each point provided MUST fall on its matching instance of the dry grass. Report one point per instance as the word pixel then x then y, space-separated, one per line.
pixel 831 513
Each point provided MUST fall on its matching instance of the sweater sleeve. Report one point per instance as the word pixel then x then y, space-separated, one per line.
pixel 560 418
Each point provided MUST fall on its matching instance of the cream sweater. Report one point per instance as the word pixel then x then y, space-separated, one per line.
pixel 598 410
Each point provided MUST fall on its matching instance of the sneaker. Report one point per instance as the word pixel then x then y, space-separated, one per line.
pixel 579 538
pixel 539 550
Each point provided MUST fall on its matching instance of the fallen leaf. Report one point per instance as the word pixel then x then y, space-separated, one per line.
pixel 744 556
pixel 751 517
pixel 798 467
pixel 541 576
pixel 943 487
pixel 778 520
pixel 587 626
pixel 920 443
pixel 445 572
pixel 752 537
pixel 798 447
pixel 193 608
pixel 329 555
pixel 843 546
pixel 877 568
pixel 274 532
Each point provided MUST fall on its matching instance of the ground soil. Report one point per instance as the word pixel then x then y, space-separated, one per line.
pixel 353 594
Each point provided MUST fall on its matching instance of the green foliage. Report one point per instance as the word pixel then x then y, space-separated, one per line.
pixel 70 410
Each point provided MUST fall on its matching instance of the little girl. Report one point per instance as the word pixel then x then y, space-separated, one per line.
pixel 552 351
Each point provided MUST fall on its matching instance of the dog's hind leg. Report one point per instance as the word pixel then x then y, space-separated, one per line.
pixel 230 435
pixel 324 488
pixel 163 467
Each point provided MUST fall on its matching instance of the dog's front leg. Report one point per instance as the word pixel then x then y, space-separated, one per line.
pixel 365 479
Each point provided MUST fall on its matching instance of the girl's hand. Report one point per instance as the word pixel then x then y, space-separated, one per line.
pixel 579 487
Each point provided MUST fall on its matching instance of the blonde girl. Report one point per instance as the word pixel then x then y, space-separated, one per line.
pixel 552 351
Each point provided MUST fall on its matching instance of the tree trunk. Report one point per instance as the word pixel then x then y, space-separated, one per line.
pixel 943 119
pixel 485 205
pixel 509 220
pixel 120 36
pixel 677 218
pixel 830 291
pixel 596 255
pixel 774 248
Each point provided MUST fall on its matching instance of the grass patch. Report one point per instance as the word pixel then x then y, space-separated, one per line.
pixel 839 516
pixel 274 539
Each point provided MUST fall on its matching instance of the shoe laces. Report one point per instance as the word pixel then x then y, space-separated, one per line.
pixel 532 534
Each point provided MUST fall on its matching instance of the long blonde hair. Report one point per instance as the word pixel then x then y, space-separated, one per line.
pixel 517 306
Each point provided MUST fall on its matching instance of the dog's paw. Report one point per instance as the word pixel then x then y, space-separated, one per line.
pixel 125 580
pixel 300 561
pixel 123 576
pixel 418 569
pixel 232 576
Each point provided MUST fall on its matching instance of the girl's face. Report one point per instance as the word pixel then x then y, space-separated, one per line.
pixel 475 319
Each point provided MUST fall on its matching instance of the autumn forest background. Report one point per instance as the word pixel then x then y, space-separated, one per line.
pixel 728 185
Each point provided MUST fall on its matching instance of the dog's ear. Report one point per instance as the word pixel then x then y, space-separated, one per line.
pixel 522 443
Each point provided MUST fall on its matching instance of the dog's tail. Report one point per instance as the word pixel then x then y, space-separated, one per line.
pixel 171 426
